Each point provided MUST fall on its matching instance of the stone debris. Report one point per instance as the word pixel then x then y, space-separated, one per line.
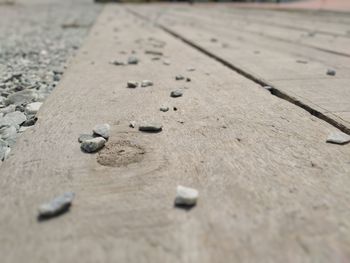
pixel 30 121
pixel 9 135
pixel 117 63
pixel 84 137
pixel 191 69
pixel 132 84
pixel 166 62
pixel 132 124
pixel 102 130
pixel 186 196
pixel 164 108
pixel 133 60
pixel 331 72
pixel 33 108
pixel 188 79
pixel 151 127
pixel 146 83
pixel 56 206
pixel 21 97
pixel 154 52
pixel 8 109
pixel 15 118
pixel 4 150
pixel 176 93
pixel 338 138
pixel 179 77
pixel 93 145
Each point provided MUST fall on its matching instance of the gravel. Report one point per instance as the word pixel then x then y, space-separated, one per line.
pixel 93 145
pixel 151 127
pixel 176 93
pixel 56 206
pixel 338 138
pixel 186 196
pixel 102 130
pixel 34 50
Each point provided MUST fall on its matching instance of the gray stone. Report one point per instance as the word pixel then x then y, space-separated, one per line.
pixel 21 97
pixel 179 77
pixel 132 84
pixel 133 60
pixel 186 196
pixel 102 130
pixel 57 205
pixel 3 150
pixel 151 127
pixel 146 83
pixel 13 119
pixel 84 137
pixel 164 109
pixel 176 93
pixel 33 108
pixel 8 109
pixel 8 134
pixel 117 63
pixel 338 138
pixel 31 120
pixel 93 145
pixel 331 72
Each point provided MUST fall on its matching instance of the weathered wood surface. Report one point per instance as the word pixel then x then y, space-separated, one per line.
pixel 271 189
pixel 273 60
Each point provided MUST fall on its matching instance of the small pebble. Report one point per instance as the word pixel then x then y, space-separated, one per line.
pixel 132 124
pixel 179 77
pixel 84 137
pixel 146 83
pixel 188 79
pixel 164 109
pixel 338 138
pixel 166 62
pixel 176 93
pixel 151 127
pixel 191 69
pixel 33 108
pixel 153 52
pixel 133 60
pixel 56 206
pixel 102 130
pixel 117 63
pixel 331 72
pixel 93 145
pixel 186 196
pixel 132 84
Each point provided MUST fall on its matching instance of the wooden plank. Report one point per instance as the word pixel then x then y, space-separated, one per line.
pixel 271 62
pixel 270 187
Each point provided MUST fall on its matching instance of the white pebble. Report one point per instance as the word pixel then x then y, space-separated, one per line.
pixel 57 205
pixel 338 138
pixel 33 108
pixel 186 196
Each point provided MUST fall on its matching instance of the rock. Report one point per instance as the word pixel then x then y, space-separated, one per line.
pixel 21 97
pixel 84 137
pixel 151 127
pixel 133 60
pixel 4 150
pixel 188 79
pixel 164 109
pixel 132 124
pixel 153 52
pixel 166 62
pixel 93 145
pixel 331 72
pixel 146 83
pixel 338 138
pixel 179 77
pixel 186 196
pixel 117 63
pixel 176 93
pixel 33 108
pixel 15 118
pixel 132 84
pixel 56 206
pixel 31 120
pixel 8 134
pixel 102 130
pixel 8 109
pixel 191 69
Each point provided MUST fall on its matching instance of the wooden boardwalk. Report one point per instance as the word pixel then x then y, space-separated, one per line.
pixel 271 189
